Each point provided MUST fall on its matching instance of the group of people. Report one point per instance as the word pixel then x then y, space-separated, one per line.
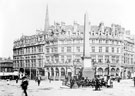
pixel 96 82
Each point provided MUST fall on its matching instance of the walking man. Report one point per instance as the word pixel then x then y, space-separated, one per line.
pixel 97 84
pixel 39 79
pixel 24 85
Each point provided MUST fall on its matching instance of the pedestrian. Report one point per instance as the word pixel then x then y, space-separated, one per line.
pixel 66 79
pixel 39 79
pixel 118 79
pixel 97 84
pixel 7 81
pixel 49 79
pixel 24 85
pixel 109 82
pixel 72 81
pixel 17 80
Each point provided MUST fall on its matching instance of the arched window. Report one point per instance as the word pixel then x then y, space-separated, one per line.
pixel 117 71
pixel 57 72
pixel 100 71
pixel 106 71
pixel 77 70
pixel 112 72
pixel 62 72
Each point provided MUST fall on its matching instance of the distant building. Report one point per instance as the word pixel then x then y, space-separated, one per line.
pixel 6 67
pixel 58 50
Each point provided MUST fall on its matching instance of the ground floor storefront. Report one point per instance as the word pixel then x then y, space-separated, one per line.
pixel 59 72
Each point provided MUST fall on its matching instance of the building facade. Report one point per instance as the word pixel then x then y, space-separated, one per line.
pixel 58 51
pixel 28 55
pixel 6 67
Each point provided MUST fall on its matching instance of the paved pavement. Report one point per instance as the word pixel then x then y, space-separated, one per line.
pixel 124 88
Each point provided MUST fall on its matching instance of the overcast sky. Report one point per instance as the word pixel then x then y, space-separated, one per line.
pixel 19 17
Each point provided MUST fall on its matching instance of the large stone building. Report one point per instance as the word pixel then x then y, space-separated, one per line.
pixel 58 50
pixel 28 54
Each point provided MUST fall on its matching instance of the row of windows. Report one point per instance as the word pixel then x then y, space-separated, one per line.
pixel 6 69
pixel 71 41
pixel 128 48
pixel 4 65
pixel 106 49
pixel 106 32
pixel 29 41
pixel 28 63
pixel 128 60
pixel 28 57
pixel 102 41
pixel 63 49
pixel 63 59
pixel 77 49
pixel 105 58
pixel 28 50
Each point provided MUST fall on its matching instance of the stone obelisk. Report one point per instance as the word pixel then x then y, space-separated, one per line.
pixel 87 65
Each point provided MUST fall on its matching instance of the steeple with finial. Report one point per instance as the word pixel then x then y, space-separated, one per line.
pixel 46 20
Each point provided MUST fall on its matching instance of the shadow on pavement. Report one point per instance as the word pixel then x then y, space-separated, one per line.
pixel 97 90
pixel 49 88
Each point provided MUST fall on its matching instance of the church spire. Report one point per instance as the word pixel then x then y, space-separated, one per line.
pixel 46 20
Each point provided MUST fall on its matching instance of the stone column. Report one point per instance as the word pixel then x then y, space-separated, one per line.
pixel 54 74
pixel 87 65
pixel 120 70
pixel 50 72
pixel 73 70
pixel 96 58
pixel 103 58
pixel 126 73
pixel 59 74
pixel 103 72
pixel 46 72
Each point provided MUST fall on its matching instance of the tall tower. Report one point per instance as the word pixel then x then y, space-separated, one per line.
pixel 86 52
pixel 46 20
pixel 87 65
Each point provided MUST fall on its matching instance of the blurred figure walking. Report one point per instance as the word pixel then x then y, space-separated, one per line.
pixel 39 80
pixel 24 85
pixel 8 81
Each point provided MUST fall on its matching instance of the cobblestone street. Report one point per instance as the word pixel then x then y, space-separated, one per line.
pixel 124 88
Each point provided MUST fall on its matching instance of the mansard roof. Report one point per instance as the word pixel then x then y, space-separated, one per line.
pixel 61 31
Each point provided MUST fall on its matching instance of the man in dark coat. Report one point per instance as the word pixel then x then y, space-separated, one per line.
pixel 97 84
pixel 24 85
pixel 39 80
pixel 72 81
